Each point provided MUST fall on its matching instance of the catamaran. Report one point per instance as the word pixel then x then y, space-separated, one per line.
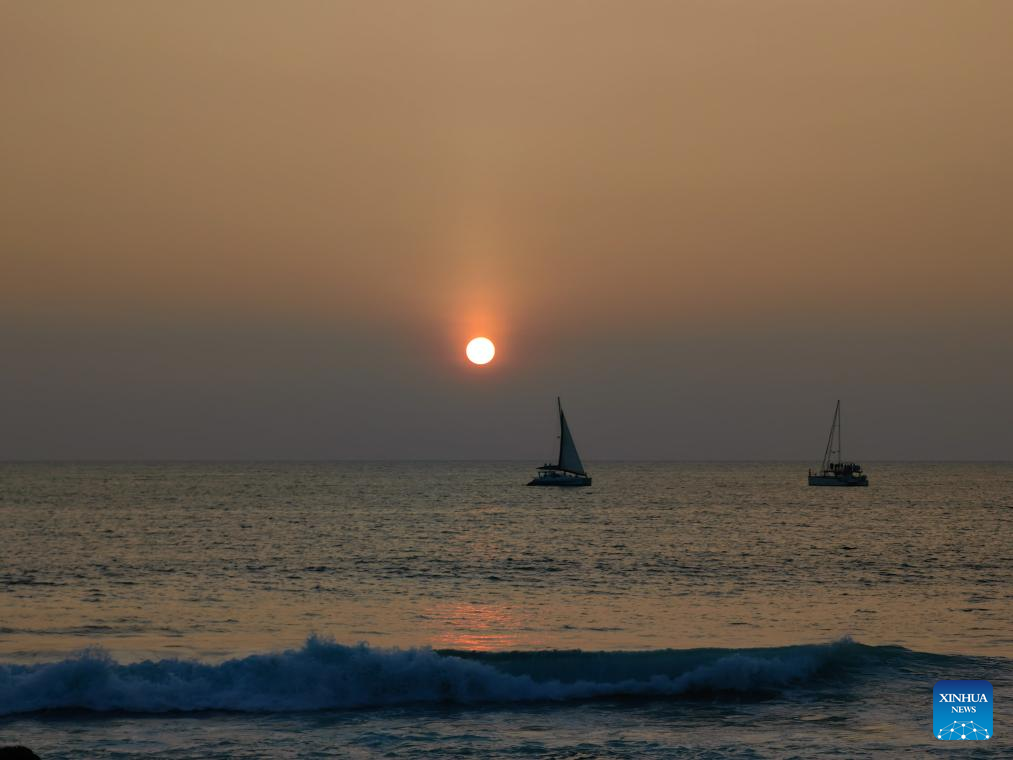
pixel 569 470
pixel 835 471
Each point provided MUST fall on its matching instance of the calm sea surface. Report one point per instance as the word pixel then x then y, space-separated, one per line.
pixel 444 609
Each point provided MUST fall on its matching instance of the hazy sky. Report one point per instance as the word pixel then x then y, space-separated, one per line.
pixel 267 230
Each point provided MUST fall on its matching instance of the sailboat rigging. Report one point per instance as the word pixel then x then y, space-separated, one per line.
pixel 568 470
pixel 834 471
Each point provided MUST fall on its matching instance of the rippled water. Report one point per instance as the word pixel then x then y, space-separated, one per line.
pixel 217 565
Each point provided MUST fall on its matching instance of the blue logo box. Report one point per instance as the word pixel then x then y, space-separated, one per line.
pixel 962 710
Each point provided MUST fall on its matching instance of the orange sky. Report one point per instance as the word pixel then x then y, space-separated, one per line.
pixel 413 173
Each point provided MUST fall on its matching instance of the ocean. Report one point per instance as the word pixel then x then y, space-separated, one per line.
pixel 442 609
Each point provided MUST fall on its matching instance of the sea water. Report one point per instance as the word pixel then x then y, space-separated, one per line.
pixel 445 610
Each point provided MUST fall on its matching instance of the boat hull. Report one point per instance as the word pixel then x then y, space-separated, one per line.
pixel 567 481
pixel 842 482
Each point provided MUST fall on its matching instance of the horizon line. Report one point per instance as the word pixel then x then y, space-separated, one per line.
pixel 417 460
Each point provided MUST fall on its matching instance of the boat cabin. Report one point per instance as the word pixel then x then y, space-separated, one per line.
pixel 847 468
pixel 551 471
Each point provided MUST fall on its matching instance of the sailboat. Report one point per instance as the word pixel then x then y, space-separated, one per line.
pixel 835 471
pixel 569 470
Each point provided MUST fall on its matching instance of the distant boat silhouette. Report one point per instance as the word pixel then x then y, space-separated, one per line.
pixel 569 470
pixel 835 471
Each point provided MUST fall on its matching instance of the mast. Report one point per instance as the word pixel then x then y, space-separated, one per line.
pixel 840 450
pixel 562 427
pixel 834 427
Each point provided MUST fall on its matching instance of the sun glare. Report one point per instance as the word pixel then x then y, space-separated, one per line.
pixel 480 351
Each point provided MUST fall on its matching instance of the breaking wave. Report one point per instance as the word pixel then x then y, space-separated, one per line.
pixel 325 675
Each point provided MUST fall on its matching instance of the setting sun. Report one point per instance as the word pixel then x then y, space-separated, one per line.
pixel 480 351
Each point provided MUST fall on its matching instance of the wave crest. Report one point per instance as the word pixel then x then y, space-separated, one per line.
pixel 325 675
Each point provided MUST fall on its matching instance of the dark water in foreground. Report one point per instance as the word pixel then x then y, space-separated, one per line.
pixel 671 610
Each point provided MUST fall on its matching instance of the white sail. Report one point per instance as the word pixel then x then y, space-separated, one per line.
pixel 569 459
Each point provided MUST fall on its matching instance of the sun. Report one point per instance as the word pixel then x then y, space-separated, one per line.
pixel 480 351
